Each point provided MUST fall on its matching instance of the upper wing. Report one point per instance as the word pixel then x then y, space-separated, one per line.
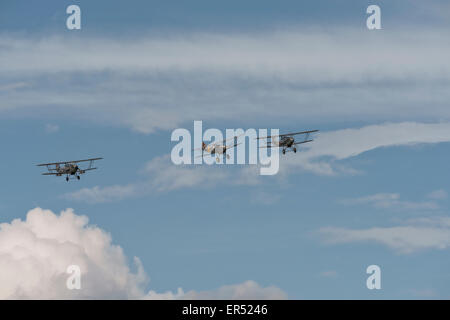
pixel 92 159
pixel 295 133
pixel 289 134
pixel 84 170
pixel 50 164
pixel 65 162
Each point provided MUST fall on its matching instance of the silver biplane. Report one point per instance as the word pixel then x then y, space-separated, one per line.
pixel 68 168
pixel 218 148
pixel 287 141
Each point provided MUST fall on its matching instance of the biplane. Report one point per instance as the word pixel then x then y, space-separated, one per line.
pixel 287 141
pixel 218 148
pixel 68 168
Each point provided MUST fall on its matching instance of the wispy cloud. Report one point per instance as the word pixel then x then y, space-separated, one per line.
pixel 51 128
pixel 414 235
pixel 13 86
pixel 161 175
pixel 323 157
pixel 424 293
pixel 329 274
pixel 391 201
pixel 310 75
pixel 438 194
pixel 105 194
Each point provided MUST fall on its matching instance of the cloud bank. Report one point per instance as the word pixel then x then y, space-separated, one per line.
pixel 155 83
pixel 35 254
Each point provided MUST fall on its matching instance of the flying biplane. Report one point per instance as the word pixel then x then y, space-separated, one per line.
pixel 287 141
pixel 218 148
pixel 68 168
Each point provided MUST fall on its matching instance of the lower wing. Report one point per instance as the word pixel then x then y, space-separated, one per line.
pixel 84 170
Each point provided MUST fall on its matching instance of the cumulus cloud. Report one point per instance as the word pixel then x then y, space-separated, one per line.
pixel 248 290
pixel 312 75
pixel 36 252
pixel 414 235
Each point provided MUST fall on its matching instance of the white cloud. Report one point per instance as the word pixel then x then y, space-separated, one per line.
pixel 312 75
pixel 106 194
pixel 161 175
pixel 248 290
pixel 424 293
pixel 35 254
pixel 438 194
pixel 165 176
pixel 51 128
pixel 415 235
pixel 329 274
pixel 391 200
pixel 321 157
pixel 265 198
pixel 13 86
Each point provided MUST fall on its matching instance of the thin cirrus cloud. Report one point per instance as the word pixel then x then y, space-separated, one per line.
pixel 36 252
pixel 106 194
pixel 392 201
pixel 312 75
pixel 412 236
pixel 51 128
pixel 324 156
pixel 438 194
pixel 163 176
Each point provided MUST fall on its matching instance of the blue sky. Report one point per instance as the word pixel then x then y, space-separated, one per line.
pixel 372 188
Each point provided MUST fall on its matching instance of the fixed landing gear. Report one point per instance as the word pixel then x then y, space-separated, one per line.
pixel 294 149
pixel 284 151
pixel 67 178
pixel 78 177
